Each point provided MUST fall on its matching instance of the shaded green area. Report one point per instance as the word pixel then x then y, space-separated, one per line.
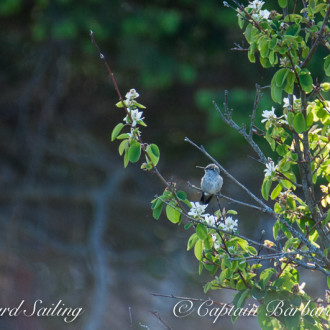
pixel 181 47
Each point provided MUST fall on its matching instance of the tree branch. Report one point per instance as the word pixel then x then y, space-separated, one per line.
pixel 241 130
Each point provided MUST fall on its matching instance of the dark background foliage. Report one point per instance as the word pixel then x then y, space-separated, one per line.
pixel 75 225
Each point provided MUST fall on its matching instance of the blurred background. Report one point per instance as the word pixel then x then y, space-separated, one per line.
pixel 75 225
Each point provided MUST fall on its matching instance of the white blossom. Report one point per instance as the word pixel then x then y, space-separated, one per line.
pixel 285 62
pixel 132 133
pixel 132 94
pixel 210 219
pixel 196 209
pixel 262 14
pixel 301 288
pixel 270 169
pixel 256 5
pixel 215 240
pixel 270 116
pixel 286 102
pixel 136 115
pixel 229 224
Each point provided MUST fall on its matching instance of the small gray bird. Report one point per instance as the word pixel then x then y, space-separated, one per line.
pixel 211 182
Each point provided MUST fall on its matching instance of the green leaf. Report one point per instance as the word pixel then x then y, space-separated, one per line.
pixel 266 185
pixel 201 231
pixel 134 151
pixel 290 117
pixel 248 33
pixel 123 146
pixel 252 250
pixel 306 82
pixel 258 294
pixel 188 225
pixel 140 105
pixel 239 301
pixel 292 30
pixel 122 136
pixel 207 287
pixel 240 22
pixel 181 195
pixel 263 46
pixel 276 91
pixel 173 214
pixel 264 320
pixel 225 274
pixel 116 131
pixel 200 268
pixel 293 321
pixel 326 65
pixel 126 159
pixel 251 55
pixel 290 83
pixel 271 57
pixel 264 61
pixel 276 191
pixel 142 123
pixel 153 152
pixel 280 76
pixel 309 119
pixel 299 123
pixel 282 3
pixel 198 250
pixel 281 149
pixel 157 210
pixel 265 276
pixel 192 241
pixel 276 229
pixel 119 104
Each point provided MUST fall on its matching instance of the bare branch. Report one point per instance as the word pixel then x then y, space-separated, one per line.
pixel 241 130
pixel 244 204
pixel 156 315
pixel 255 106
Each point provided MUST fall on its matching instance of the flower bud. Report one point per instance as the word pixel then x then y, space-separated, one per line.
pixel 325 87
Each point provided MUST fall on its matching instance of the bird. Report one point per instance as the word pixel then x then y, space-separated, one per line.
pixel 211 183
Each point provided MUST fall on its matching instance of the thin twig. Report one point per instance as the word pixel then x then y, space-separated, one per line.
pixel 230 122
pixel 130 316
pixel 243 203
pixel 156 315
pixel 143 145
pixel 255 106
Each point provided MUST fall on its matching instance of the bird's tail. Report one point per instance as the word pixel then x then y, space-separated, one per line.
pixel 205 199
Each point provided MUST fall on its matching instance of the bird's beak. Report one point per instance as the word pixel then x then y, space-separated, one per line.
pixel 200 167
